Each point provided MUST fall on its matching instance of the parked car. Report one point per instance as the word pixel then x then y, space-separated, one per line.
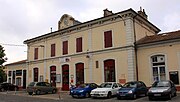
pixel 165 89
pixel 106 89
pixel 8 86
pixel 83 90
pixel 40 88
pixel 132 89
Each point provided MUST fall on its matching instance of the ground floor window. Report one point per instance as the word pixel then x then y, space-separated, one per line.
pixel 109 70
pixel 36 74
pixel 18 81
pixel 53 75
pixel 158 67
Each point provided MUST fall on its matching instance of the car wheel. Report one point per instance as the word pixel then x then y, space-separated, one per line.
pixel 2 90
pixel 38 92
pixel 30 93
pixel 134 96
pixel 175 94
pixel 53 91
pixel 87 94
pixel 150 98
pixel 109 95
pixel 73 96
pixel 170 96
pixel 118 97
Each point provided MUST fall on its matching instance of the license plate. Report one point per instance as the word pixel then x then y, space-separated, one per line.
pixel 157 94
pixel 122 94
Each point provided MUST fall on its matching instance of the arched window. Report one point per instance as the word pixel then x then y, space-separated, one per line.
pixel 109 70
pixel 158 67
pixel 36 74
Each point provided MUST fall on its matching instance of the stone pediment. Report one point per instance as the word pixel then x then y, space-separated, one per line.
pixel 66 21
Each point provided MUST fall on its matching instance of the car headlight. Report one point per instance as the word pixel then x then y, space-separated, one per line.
pixel 81 91
pixel 130 92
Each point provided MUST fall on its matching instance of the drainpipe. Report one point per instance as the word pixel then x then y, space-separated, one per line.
pixel 135 47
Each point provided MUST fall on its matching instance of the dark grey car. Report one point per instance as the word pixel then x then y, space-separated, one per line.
pixel 164 89
pixel 40 88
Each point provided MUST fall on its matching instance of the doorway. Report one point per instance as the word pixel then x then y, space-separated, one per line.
pixel 65 77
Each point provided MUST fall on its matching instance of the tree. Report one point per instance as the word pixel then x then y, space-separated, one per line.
pixel 2 60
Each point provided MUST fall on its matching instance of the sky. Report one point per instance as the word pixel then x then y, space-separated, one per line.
pixel 25 19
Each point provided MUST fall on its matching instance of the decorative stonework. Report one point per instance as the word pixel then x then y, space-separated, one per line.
pixel 131 65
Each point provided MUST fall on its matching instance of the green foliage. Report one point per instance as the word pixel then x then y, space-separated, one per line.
pixel 2 60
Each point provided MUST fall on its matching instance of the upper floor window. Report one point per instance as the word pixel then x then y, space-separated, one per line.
pixel 53 50
pixel 36 53
pixel 108 39
pixel 65 47
pixel 79 44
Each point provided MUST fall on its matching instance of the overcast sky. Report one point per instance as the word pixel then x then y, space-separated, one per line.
pixel 24 19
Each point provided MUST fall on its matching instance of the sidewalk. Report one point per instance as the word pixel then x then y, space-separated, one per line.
pixel 57 96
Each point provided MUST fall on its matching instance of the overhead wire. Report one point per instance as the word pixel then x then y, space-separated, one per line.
pixel 12 45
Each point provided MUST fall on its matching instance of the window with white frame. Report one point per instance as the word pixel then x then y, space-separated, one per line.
pixel 158 67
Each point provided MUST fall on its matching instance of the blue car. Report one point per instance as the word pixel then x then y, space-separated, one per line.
pixel 83 90
pixel 132 90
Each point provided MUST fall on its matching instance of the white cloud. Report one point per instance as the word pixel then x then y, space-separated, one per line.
pixel 25 19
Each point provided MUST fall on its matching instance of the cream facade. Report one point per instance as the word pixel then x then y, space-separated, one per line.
pixel 97 51
pixel 16 73
pixel 159 60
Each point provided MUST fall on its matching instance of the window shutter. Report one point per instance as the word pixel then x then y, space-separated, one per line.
pixel 53 49
pixel 79 44
pixel 65 47
pixel 108 39
pixel 36 53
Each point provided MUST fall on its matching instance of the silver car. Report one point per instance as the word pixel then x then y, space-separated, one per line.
pixel 40 87
pixel 164 89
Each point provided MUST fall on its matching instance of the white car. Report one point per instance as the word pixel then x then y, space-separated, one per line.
pixel 106 89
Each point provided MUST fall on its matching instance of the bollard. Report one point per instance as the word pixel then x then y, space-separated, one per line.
pixel 15 90
pixel 59 95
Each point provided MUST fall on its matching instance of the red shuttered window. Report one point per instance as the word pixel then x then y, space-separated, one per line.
pixel 79 44
pixel 108 39
pixel 36 53
pixel 65 47
pixel 53 49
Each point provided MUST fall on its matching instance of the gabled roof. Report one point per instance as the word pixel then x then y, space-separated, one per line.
pixel 15 63
pixel 85 24
pixel 159 37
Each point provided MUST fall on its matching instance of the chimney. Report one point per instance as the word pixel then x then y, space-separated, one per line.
pixel 107 12
pixel 142 13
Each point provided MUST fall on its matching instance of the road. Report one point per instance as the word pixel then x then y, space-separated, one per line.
pixel 24 97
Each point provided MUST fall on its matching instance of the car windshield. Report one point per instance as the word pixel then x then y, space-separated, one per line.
pixel 130 84
pixel 161 84
pixel 31 84
pixel 83 85
pixel 106 85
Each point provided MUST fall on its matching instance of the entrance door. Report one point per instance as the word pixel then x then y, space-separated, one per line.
pixel 65 77
pixel 53 75
pixel 79 73
pixel 24 79
pixel 109 70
